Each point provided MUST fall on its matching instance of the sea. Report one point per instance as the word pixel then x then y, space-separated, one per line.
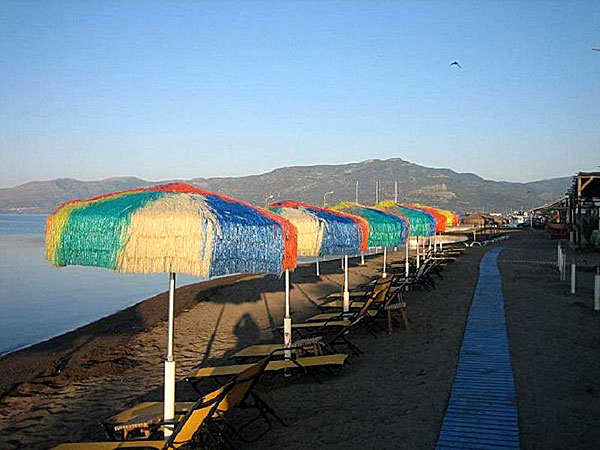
pixel 39 301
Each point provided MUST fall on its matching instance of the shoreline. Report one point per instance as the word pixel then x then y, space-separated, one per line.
pixel 126 350
pixel 37 356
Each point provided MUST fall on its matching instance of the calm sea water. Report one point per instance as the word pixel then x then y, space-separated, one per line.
pixel 39 301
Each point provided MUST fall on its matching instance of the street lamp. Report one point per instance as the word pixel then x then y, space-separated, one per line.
pixel 324 198
pixel 268 198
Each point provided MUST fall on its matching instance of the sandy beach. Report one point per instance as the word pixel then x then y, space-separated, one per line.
pixel 393 396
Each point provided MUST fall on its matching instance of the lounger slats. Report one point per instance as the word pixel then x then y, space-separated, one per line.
pixel 258 350
pixel 111 445
pixel 316 324
pixel 352 294
pixel 273 366
pixel 339 304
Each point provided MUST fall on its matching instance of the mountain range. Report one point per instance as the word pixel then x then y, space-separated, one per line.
pixel 461 192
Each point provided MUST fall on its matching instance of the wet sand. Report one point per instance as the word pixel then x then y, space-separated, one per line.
pixel 393 396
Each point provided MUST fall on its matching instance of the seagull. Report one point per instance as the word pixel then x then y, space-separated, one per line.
pixel 455 63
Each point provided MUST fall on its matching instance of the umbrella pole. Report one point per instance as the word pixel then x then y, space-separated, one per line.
pixel 169 403
pixel 287 320
pixel 418 254
pixel 318 271
pixel 362 258
pixel 383 275
pixel 406 252
pixel 346 296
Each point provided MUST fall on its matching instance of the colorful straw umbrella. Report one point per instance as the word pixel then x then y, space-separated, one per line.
pixel 385 230
pixel 173 228
pixel 325 232
pixel 451 218
pixel 440 219
pixel 422 224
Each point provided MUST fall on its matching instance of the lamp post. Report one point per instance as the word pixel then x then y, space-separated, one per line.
pixel 325 198
pixel 270 197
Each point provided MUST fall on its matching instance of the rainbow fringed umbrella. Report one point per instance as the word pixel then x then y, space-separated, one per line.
pixel 440 219
pixel 421 223
pixel 385 230
pixel 171 228
pixel 325 232
pixel 451 218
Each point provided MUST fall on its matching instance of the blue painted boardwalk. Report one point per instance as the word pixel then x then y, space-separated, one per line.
pixel 482 410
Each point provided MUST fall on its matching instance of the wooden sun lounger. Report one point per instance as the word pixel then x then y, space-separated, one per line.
pixel 354 304
pixel 186 429
pixel 111 445
pixel 379 284
pixel 337 359
pixel 352 294
pixel 236 396
pixel 305 347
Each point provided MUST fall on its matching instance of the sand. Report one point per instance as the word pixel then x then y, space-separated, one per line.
pixel 555 347
pixel 393 396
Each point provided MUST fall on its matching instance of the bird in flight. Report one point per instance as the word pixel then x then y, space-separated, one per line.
pixel 596 49
pixel 455 63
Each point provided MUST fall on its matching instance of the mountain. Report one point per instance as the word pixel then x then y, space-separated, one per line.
pixel 40 197
pixel 462 192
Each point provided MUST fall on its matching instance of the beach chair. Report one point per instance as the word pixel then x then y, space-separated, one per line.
pixel 318 345
pixel 357 298
pixel 192 429
pixel 304 364
pixel 241 395
pixel 419 279
pixel 369 308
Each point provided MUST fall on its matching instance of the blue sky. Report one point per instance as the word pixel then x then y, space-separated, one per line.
pixel 165 90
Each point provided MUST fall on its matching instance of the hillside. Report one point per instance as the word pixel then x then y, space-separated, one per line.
pixel 462 192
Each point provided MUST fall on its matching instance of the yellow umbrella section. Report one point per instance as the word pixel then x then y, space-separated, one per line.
pixel 310 229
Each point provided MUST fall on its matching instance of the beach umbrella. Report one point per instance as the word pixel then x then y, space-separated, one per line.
pixel 422 224
pixel 172 228
pixel 451 218
pixel 325 232
pixel 439 218
pixel 385 230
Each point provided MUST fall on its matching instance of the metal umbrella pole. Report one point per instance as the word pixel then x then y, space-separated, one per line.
pixel 407 251
pixel 346 295
pixel 287 320
pixel 169 400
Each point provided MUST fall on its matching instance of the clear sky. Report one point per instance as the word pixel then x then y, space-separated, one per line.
pixel 165 90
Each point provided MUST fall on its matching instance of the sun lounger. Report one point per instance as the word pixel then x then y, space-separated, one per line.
pixel 357 301
pixel 241 395
pixel 326 343
pixel 301 363
pixel 380 296
pixel 191 427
